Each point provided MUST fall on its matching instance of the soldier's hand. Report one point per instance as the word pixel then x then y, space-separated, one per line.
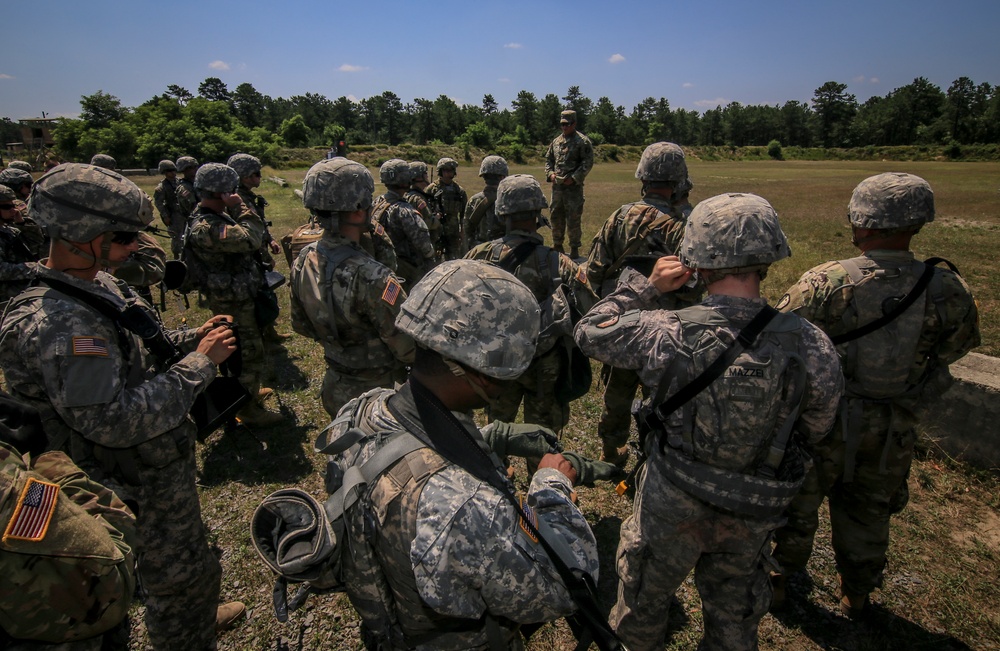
pixel 218 344
pixel 569 180
pixel 231 199
pixel 560 463
pixel 211 324
pixel 275 247
pixel 669 274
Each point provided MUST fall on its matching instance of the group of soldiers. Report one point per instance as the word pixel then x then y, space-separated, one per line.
pixel 428 307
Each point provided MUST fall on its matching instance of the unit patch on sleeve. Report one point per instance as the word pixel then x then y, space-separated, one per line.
pixel 34 511
pixel 391 292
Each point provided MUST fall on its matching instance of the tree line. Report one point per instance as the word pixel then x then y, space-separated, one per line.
pixel 218 121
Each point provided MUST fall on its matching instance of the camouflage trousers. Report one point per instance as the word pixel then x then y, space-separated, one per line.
pixel 452 239
pixel 340 386
pixel 537 389
pixel 176 230
pixel 616 417
pixel 670 533
pixel 567 208
pixel 251 339
pixel 860 509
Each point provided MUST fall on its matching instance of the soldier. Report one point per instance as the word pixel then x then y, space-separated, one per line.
pixel 544 271
pixel 449 203
pixel 417 197
pixel 120 413
pixel 24 166
pixel 635 235
pixel 20 182
pixel 890 371
pixel 406 229
pixel 15 273
pixel 567 163
pixel 105 161
pixel 446 584
pixel 341 296
pixel 222 257
pixel 165 200
pixel 481 222
pixel 187 197
pixel 723 464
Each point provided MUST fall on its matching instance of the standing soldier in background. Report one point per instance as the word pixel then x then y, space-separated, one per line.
pixel 24 166
pixel 222 256
pixel 761 389
pixel 635 235
pixel 449 201
pixel 545 272
pixel 187 197
pixel 422 202
pixel 105 161
pixel 481 222
pixel 20 183
pixel 406 229
pixel 341 296
pixel 165 200
pixel 890 371
pixel 567 163
pixel 15 273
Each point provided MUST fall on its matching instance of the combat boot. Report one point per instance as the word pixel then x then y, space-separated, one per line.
pixel 228 614
pixel 264 393
pixel 613 454
pixel 558 248
pixel 778 590
pixel 272 336
pixel 574 252
pixel 852 605
pixel 255 415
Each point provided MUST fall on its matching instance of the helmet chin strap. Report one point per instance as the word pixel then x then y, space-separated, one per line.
pixel 458 371
pixel 101 260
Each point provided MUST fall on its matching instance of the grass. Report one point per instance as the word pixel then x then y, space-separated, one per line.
pixel 942 586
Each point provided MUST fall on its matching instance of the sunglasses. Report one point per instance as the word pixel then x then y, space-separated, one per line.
pixel 124 237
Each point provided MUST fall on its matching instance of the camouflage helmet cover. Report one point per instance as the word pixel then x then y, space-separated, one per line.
pixel 494 165
pixel 105 161
pixel 186 162
pixel 293 536
pixel 662 162
pixel 418 170
pixel 337 185
pixel 891 200
pixel 244 164
pixel 447 164
pixel 6 194
pixel 20 165
pixel 394 172
pixel 476 314
pixel 216 177
pixel 519 193
pixel 14 178
pixel 79 202
pixel 733 230
pixel 166 166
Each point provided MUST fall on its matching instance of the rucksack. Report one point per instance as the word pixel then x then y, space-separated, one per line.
pixel 194 278
pixel 293 243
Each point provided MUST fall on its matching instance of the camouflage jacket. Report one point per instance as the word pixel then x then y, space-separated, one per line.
pixel 31 233
pixel 256 204
pixel 187 197
pixel 422 203
pixel 146 266
pixel 225 248
pixel 350 309
pixel 15 273
pixel 569 157
pixel 449 200
pixel 165 200
pixel 406 229
pixel 470 555
pixel 481 221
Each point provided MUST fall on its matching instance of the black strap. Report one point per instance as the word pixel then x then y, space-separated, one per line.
pixel 517 257
pixel 902 306
pixel 451 440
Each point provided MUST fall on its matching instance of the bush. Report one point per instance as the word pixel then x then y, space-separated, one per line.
pixel 774 150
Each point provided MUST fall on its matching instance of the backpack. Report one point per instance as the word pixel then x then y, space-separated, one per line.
pixel 67 570
pixel 194 278
pixel 293 243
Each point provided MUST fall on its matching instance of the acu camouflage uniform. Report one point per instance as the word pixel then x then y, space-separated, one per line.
pixel 256 204
pixel 15 273
pixel 449 201
pixel 165 200
pixel 670 531
pixel 889 374
pixel 348 301
pixel 422 202
pixel 32 234
pixel 145 267
pixel 568 157
pixel 123 418
pixel 453 558
pixel 481 221
pixel 408 232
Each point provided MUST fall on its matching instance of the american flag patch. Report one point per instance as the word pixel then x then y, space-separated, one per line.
pixel 90 346
pixel 378 229
pixel 34 511
pixel 581 275
pixel 527 514
pixel 391 292
pixel 223 229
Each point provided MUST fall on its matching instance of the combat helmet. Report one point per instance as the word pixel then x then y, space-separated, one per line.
pixel 519 193
pixel 733 231
pixel 14 178
pixel 495 165
pixel 418 170
pixel 166 166
pixel 476 314
pixel 447 164
pixel 663 162
pixel 6 194
pixel 78 202
pixel 244 164
pixel 105 161
pixel 891 200
pixel 216 177
pixel 395 172
pixel 185 163
pixel 337 185
pixel 20 165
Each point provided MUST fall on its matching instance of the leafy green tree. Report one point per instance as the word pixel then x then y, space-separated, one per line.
pixel 577 101
pixel 101 110
pixel 214 89
pixel 525 107
pixel 547 119
pixel 448 122
pixel 295 132
pixel 249 105
pixel 603 120
pixel 834 108
pixel 422 120
pixel 181 94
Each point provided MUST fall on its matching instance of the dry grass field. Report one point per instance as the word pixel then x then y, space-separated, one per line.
pixel 942 585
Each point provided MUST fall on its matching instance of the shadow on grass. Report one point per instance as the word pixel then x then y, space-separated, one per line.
pixel 282 373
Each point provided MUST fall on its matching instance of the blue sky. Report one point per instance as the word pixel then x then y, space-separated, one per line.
pixel 696 54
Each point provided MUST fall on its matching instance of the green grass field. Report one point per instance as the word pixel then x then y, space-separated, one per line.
pixel 942 586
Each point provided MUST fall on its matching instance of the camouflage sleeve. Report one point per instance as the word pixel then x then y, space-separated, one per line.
pixel 586 160
pixel 475 210
pixel 550 161
pixel 416 230
pixel 821 296
pixel 824 385
pixel 960 331
pixel 10 270
pixel 220 236
pixel 34 238
pixel 186 201
pixel 146 266
pixel 460 576
pixel 305 282
pixel 159 200
pixel 602 252
pixel 383 295
pixel 575 277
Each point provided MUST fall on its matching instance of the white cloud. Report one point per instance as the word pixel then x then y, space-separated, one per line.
pixel 873 80
pixel 219 65
pixel 347 67
pixel 5 76
pixel 504 80
pixel 353 98
pixel 687 84
pixel 616 58
pixel 861 79
pixel 513 46
pixel 711 103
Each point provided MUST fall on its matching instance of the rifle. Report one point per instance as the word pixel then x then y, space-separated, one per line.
pixel 159 232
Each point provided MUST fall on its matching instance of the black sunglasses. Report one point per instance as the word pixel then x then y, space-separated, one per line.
pixel 124 237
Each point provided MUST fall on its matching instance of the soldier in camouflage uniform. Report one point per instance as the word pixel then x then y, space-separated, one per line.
pixel 718 474
pixel 15 273
pixel 481 222
pixel 449 203
pixel 120 414
pixel 187 196
pixel 222 256
pixel 105 161
pixel 890 372
pixel 341 296
pixel 520 201
pixel 469 574
pixel 407 230
pixel 567 163
pixel 422 202
pixel 634 234
pixel 165 200
pixel 31 233
pixel 20 165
